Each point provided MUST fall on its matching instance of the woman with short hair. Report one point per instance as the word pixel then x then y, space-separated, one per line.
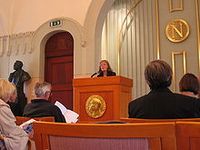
pixel 189 85
pixel 13 136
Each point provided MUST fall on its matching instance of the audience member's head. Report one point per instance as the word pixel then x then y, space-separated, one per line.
pixel 189 83
pixel 7 91
pixel 43 90
pixel 158 74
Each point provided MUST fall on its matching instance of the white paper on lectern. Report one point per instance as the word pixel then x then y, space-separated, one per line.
pixel 70 116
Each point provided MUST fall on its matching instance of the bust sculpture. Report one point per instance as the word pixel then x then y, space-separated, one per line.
pixel 19 77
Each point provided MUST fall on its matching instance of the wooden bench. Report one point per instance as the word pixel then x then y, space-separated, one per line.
pixel 137 136
pixel 188 135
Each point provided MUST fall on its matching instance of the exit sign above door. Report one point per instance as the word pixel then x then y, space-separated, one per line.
pixel 55 23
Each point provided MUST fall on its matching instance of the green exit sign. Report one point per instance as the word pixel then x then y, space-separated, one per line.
pixel 55 23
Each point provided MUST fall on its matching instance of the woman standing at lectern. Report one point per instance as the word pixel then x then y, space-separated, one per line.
pixel 105 69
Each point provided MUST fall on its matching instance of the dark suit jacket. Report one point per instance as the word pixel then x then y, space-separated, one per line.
pixel 43 108
pixel 163 104
pixel 109 73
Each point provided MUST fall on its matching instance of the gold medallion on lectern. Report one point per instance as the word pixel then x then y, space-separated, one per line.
pixel 95 106
pixel 177 30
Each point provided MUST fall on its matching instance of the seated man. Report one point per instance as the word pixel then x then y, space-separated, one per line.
pixel 41 107
pixel 160 102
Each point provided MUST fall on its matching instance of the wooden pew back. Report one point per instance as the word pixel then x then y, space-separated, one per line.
pixel 20 120
pixel 154 136
pixel 188 135
pixel 138 120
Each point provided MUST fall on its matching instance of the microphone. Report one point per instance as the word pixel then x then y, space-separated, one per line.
pixel 94 74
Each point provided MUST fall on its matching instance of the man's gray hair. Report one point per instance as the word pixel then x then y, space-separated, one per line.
pixel 41 88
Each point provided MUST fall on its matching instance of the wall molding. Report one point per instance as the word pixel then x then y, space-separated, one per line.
pixel 16 44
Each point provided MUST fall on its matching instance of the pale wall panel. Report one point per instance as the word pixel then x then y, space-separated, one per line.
pixel 22 15
pixel 189 45
pixel 136 39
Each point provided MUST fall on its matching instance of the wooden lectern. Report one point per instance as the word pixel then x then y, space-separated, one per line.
pixel 116 91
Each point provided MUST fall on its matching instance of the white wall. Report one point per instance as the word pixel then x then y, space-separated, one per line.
pixel 27 15
pixel 5 13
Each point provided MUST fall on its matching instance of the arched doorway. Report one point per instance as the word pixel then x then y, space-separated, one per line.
pixel 59 51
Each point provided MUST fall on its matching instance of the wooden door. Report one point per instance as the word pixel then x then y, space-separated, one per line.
pixel 59 67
